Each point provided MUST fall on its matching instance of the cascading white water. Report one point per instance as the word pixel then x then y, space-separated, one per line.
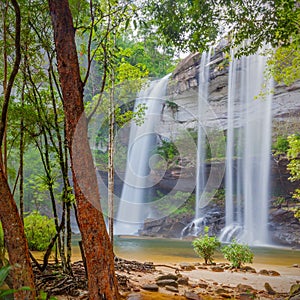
pixel 199 221
pixel 201 137
pixel 248 151
pixel 132 211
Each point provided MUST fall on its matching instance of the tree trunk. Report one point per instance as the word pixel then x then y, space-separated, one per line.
pixel 97 247
pixel 13 229
pixel 21 171
pixel 111 163
pixel 15 240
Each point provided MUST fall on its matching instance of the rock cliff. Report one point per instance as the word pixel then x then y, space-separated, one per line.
pixel 180 115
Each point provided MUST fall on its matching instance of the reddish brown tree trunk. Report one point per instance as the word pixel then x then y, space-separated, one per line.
pixel 13 229
pixel 15 240
pixel 97 247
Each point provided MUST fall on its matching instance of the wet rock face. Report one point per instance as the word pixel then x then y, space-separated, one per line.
pixel 284 228
pixel 183 90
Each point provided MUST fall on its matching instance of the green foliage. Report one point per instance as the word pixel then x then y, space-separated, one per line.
pixel 172 105
pixel 278 201
pixel 215 144
pixel 137 115
pixel 3 274
pixel 193 25
pixel 39 231
pixel 178 204
pixel 285 64
pixel 4 271
pixel 205 246
pixel 237 254
pixel 217 196
pixel 281 145
pixel 45 296
pixel 159 61
pixel 294 164
pixel 168 151
pixel 2 247
pixel 1 236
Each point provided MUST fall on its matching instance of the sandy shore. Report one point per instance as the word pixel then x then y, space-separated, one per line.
pixel 208 284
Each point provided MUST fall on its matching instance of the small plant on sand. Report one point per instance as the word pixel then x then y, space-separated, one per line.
pixel 237 254
pixel 205 246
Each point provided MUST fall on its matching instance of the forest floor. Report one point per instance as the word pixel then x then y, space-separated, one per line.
pixel 145 281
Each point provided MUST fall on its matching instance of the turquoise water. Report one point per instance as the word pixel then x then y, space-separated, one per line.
pixel 173 250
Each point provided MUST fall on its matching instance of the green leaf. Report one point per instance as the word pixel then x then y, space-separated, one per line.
pixel 4 273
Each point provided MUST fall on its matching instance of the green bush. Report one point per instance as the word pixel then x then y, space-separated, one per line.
pixel 205 246
pixel 237 254
pixel 39 231
pixel 168 151
pixel 281 145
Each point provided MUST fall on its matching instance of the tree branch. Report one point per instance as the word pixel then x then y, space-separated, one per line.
pixel 14 71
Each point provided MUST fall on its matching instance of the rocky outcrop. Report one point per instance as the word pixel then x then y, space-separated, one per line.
pixel 284 228
pixel 183 90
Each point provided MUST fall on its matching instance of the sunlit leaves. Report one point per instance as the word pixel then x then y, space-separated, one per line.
pixel 294 165
pixel 285 64
pixel 193 25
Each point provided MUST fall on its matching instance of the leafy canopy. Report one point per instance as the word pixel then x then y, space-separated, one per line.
pixel 194 24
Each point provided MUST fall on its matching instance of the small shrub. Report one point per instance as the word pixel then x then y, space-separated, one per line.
pixel 237 254
pixel 39 231
pixel 205 246
pixel 281 145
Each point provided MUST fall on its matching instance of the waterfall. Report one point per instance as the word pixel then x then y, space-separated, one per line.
pixel 201 137
pixel 132 210
pixel 248 151
pixel 199 221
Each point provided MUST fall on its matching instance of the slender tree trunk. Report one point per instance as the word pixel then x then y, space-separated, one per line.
pixel 5 74
pixel 21 171
pixel 97 247
pixel 111 164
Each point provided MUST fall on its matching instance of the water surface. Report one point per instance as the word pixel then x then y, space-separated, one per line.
pixel 174 251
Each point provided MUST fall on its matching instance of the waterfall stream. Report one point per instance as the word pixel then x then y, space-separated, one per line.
pixel 248 151
pixel 132 209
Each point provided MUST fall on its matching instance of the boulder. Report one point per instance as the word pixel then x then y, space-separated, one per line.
pixel 269 289
pixel 274 273
pixel 167 276
pixel 244 288
pixel 183 280
pixel 165 282
pixel 217 269
pixel 150 287
pixel 247 296
pixel 187 266
pixel 192 296
pixel 264 272
pixel 171 288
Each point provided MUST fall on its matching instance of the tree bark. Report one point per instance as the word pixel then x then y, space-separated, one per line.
pixel 97 247
pixel 13 229
pixel 15 240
